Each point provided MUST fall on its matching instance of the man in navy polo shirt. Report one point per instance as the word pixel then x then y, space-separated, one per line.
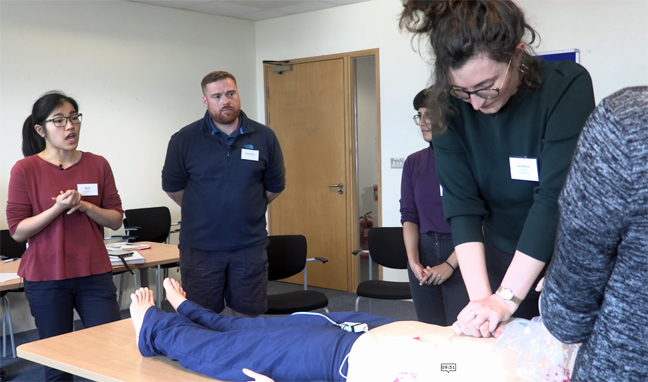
pixel 223 170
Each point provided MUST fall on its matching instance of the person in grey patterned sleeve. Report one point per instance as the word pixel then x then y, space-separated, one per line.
pixel 596 288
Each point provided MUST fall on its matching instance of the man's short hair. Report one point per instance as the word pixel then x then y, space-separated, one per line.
pixel 214 77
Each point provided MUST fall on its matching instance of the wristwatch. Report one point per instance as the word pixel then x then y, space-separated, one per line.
pixel 508 295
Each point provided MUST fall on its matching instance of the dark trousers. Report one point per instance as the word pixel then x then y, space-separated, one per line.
pixel 437 304
pixel 497 263
pixel 52 304
pixel 300 347
pixel 238 277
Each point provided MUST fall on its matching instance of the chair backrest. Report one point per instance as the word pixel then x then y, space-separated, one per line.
pixel 286 256
pixel 387 248
pixel 154 223
pixel 10 247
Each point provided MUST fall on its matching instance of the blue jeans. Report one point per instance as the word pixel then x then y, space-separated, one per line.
pixel 300 347
pixel 437 304
pixel 52 304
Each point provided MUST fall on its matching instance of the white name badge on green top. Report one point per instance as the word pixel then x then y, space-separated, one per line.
pixel 524 169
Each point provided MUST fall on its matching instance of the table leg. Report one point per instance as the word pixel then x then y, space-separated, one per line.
pixel 144 280
pixel 158 283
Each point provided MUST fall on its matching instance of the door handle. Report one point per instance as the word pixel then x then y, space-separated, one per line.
pixel 339 185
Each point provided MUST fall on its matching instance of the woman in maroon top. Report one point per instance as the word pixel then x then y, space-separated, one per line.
pixel 59 197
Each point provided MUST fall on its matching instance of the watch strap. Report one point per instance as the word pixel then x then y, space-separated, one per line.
pixel 508 295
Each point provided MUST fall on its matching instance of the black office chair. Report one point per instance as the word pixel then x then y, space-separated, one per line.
pixel 151 224
pixel 287 257
pixel 387 248
pixel 9 248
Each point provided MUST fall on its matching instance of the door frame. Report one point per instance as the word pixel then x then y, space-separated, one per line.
pixel 352 229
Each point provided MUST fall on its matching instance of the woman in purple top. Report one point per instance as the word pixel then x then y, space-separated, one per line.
pixel 437 288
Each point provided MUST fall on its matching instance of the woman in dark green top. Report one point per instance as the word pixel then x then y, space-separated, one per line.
pixel 507 126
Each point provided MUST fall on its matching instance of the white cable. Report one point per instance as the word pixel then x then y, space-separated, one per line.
pixel 342 365
pixel 334 323
pixel 318 314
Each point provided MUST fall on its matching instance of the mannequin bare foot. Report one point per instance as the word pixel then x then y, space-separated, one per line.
pixel 175 294
pixel 141 300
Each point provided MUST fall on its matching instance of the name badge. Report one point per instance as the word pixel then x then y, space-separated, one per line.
pixel 88 189
pixel 250 154
pixel 441 190
pixel 524 169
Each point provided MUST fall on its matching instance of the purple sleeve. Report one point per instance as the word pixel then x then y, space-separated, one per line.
pixel 408 210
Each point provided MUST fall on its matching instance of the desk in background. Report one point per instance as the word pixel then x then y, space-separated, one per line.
pixel 158 255
pixel 10 267
pixel 105 353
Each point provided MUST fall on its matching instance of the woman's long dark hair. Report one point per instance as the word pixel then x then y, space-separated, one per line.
pixel 32 142
pixel 459 30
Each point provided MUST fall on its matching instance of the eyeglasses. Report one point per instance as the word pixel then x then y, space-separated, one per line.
pixel 487 93
pixel 424 117
pixel 62 121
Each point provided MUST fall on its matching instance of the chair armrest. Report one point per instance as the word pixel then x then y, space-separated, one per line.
pixel 308 260
pixel 320 259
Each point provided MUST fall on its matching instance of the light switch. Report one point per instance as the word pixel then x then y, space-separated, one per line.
pixel 397 162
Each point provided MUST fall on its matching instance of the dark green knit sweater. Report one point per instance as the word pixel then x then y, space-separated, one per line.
pixel 473 162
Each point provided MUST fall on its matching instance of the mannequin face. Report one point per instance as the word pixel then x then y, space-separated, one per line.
pixel 481 72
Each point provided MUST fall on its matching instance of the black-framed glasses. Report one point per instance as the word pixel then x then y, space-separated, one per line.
pixel 422 117
pixel 62 121
pixel 486 93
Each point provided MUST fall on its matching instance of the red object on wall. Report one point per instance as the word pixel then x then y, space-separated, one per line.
pixel 365 225
pixel 375 192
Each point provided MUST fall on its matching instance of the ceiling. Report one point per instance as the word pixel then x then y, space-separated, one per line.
pixel 251 9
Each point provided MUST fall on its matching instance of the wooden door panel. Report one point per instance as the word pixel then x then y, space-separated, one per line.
pixel 306 109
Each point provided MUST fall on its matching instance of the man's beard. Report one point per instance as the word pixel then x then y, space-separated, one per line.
pixel 226 119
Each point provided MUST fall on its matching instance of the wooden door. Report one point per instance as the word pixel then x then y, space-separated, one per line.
pixel 307 107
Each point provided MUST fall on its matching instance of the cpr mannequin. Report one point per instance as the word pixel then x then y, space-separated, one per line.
pixel 415 351
pixel 396 351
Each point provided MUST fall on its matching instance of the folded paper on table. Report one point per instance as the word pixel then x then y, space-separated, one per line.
pixel 123 246
pixel 8 276
pixel 135 258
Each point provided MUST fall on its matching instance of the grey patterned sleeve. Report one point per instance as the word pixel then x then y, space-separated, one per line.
pixel 595 206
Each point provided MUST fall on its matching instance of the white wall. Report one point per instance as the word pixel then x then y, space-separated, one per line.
pixel 135 70
pixel 612 36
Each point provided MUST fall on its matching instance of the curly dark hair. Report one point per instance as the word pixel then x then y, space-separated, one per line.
pixel 459 30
